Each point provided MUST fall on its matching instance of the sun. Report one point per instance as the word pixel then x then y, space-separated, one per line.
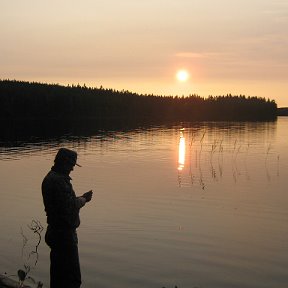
pixel 182 75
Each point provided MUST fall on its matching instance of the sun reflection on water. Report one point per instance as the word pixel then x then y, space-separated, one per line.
pixel 181 154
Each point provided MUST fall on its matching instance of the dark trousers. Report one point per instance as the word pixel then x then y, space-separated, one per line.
pixel 64 259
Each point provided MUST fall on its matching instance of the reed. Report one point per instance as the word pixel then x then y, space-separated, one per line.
pixel 23 274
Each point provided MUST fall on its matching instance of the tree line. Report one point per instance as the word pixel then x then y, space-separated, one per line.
pixel 283 111
pixel 31 100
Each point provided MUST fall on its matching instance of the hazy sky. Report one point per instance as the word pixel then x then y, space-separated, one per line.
pixel 227 46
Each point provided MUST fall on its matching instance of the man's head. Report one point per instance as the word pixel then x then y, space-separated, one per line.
pixel 66 158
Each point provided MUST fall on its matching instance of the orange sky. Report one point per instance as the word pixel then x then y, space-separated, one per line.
pixel 227 46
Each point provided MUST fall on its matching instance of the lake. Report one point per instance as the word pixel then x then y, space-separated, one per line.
pixel 193 205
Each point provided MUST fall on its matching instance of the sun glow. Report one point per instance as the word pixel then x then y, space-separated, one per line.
pixel 182 75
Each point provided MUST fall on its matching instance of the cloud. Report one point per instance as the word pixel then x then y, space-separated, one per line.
pixel 197 55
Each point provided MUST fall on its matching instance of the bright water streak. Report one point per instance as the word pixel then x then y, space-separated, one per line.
pixel 219 221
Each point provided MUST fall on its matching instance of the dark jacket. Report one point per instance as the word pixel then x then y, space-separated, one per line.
pixel 61 204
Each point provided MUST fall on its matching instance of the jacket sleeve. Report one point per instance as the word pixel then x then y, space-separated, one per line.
pixel 66 204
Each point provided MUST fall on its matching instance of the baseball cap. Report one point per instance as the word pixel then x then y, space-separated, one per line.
pixel 65 154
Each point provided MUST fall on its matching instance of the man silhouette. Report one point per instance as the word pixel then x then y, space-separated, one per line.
pixel 62 208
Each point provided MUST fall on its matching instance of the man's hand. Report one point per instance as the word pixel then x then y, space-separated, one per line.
pixel 88 195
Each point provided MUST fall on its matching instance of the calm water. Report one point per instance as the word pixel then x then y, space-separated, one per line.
pixel 199 205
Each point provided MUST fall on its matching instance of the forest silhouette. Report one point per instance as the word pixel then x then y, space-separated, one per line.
pixel 39 101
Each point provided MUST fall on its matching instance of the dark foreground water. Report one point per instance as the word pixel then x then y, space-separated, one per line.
pixel 198 205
